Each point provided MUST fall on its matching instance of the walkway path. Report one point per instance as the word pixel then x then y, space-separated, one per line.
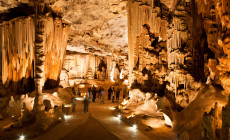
pixel 99 123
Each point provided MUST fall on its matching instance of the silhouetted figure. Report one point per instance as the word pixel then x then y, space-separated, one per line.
pixel 89 92
pixel 118 94
pixel 73 104
pixel 113 94
pixel 86 105
pixel 78 92
pixel 109 93
pixel 125 92
pixel 99 93
pixel 94 92
pixel 102 95
pixel 73 90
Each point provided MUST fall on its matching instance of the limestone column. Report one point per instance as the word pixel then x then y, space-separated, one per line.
pixel 39 53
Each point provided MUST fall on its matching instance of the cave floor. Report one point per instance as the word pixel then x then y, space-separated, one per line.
pixel 99 123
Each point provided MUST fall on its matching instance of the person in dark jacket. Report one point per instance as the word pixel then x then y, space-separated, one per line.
pixel 125 92
pixel 73 104
pixel 118 94
pixel 89 92
pixel 79 92
pixel 99 93
pixel 109 93
pixel 94 92
pixel 113 94
pixel 86 104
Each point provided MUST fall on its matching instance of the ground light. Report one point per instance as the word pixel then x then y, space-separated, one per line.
pixel 134 126
pixel 119 116
pixel 112 108
pixel 22 137
pixel 67 117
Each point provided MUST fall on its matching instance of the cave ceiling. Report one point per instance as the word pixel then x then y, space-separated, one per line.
pixel 97 26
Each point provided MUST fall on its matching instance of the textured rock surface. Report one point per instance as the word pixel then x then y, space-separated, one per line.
pixel 17 53
pixel 96 24
pixel 185 45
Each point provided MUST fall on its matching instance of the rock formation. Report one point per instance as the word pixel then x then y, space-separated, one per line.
pixel 17 53
pixel 185 46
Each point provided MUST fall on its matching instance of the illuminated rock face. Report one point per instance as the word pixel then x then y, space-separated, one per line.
pixel 17 54
pixel 97 24
pixel 78 66
pixel 217 16
pixel 147 35
pixel 160 44
pixel 175 47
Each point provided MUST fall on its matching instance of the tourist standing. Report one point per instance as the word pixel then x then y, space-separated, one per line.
pixel 73 90
pixel 125 92
pixel 89 92
pixel 113 94
pixel 94 92
pixel 86 105
pixel 73 104
pixel 118 94
pixel 102 95
pixel 99 93
pixel 109 93
pixel 78 92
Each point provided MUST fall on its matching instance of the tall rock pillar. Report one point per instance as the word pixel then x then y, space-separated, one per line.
pixel 39 53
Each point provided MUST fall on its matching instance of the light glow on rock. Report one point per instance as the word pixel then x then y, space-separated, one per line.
pixel 81 86
pixel 167 120
pixel 55 94
pixel 130 116
pixel 121 75
pixel 124 102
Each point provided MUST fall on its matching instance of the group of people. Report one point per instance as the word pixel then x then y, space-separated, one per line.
pixel 112 92
pixel 100 93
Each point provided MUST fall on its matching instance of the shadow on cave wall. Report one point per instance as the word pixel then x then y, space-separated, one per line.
pixel 50 83
pixel 23 86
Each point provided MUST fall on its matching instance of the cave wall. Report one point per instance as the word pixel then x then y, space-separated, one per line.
pixel 171 42
pixel 186 54
pixel 216 24
pixel 17 57
pixel 78 66
pixel 17 52
pixel 145 28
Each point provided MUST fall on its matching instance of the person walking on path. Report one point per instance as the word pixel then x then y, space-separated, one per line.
pixel 118 94
pixel 102 95
pixel 99 93
pixel 89 92
pixel 113 94
pixel 79 92
pixel 109 93
pixel 125 92
pixel 94 92
pixel 73 104
pixel 86 105
pixel 73 90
